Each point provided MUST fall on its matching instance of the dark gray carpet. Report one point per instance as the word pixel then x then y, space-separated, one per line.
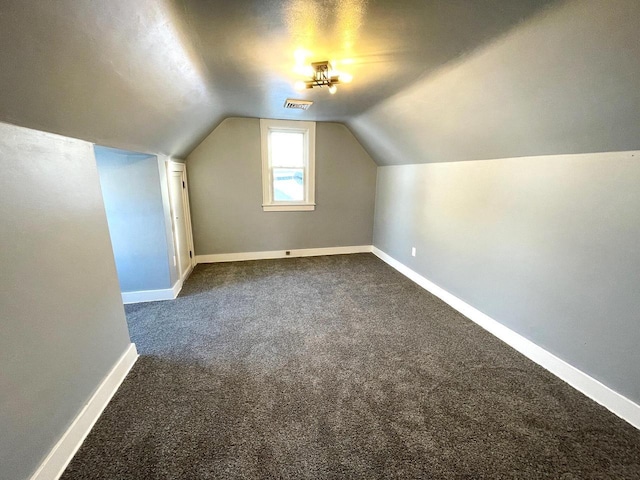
pixel 338 367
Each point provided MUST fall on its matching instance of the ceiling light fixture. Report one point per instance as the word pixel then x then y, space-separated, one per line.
pixel 324 76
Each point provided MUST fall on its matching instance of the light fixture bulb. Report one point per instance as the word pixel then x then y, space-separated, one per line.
pixel 300 55
pixel 346 77
pixel 300 85
pixel 332 89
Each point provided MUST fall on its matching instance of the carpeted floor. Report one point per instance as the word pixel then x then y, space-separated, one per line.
pixel 338 367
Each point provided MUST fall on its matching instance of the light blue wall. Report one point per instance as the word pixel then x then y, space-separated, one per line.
pixel 133 201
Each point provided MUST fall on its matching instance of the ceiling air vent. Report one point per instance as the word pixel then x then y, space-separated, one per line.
pixel 299 104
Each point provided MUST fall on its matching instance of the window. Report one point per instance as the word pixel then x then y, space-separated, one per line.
pixel 288 165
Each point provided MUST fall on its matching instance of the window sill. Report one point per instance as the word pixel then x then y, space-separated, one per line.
pixel 306 207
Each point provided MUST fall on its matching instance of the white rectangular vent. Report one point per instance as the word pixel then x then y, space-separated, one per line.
pixel 299 104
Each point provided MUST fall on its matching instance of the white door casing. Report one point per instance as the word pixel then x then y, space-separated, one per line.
pixel 180 218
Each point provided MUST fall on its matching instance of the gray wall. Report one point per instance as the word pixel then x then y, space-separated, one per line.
pixel 563 81
pixel 63 325
pixel 133 200
pixel 226 193
pixel 548 246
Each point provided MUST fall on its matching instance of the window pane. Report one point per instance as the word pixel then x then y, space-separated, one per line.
pixel 287 149
pixel 288 184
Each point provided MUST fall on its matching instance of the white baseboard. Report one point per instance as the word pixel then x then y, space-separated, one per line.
pixel 54 464
pixel 177 287
pixel 156 295
pixel 301 252
pixel 149 295
pixel 592 388
pixel 152 295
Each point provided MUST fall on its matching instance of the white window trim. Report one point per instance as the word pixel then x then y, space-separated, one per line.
pixel 309 130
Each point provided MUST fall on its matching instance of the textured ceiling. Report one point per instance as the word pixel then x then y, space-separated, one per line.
pixel 248 47
pixel 565 81
pixel 433 80
pixel 158 75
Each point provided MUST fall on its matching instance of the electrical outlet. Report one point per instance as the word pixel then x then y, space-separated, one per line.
pixel 413 251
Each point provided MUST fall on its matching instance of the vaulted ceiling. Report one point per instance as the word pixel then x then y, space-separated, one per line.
pixel 433 80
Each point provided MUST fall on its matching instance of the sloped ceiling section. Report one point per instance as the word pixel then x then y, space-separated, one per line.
pixel 433 80
pixel 249 47
pixel 565 81
pixel 158 75
pixel 117 72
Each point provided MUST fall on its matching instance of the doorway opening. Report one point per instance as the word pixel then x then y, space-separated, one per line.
pixel 152 245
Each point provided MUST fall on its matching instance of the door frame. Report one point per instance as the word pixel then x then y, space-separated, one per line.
pixel 182 168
